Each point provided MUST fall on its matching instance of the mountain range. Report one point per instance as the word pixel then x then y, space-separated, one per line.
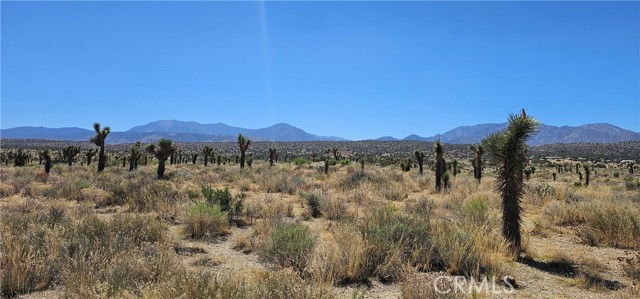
pixel 190 131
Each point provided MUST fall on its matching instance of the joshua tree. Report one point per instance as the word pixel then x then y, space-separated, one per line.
pixel 250 160
pixel 206 153
pixel 406 164
pixel 89 155
pixel 98 140
pixel 580 176
pixel 20 158
pixel 314 157
pixel 587 172
pixel 554 176
pixel 441 165
pixel 446 177
pixel 631 168
pixel 218 160
pixel 477 162
pixel 455 167
pixel 326 166
pixel 69 153
pixel 527 173
pixel 194 157
pixel 134 156
pixel 162 152
pixel 336 153
pixel 508 149
pixel 47 161
pixel 420 157
pixel 243 143
pixel 272 155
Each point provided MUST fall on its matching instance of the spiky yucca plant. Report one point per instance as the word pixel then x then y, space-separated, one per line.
pixel 441 166
pixel 508 150
pixel 162 152
pixel 272 156
pixel 47 161
pixel 90 154
pixel 477 161
pixel 20 158
pixel 101 135
pixel 206 153
pixel 587 173
pixel 134 156
pixel 243 143
pixel 69 153
pixel 420 157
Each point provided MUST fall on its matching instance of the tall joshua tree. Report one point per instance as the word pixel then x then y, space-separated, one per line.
pixel 272 155
pixel 420 157
pixel 508 149
pixel 244 145
pixel 134 156
pixel 587 173
pixel 98 140
pixel 477 161
pixel 162 152
pixel 47 161
pixel 206 153
pixel 194 158
pixel 441 165
pixel 336 153
pixel 69 153
pixel 89 155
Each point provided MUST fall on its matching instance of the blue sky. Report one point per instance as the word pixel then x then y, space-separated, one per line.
pixel 351 69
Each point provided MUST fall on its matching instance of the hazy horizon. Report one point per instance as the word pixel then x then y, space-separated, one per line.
pixel 357 70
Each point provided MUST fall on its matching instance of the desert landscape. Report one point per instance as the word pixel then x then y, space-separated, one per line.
pixel 325 224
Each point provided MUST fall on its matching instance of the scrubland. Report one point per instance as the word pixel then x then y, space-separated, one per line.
pixel 290 231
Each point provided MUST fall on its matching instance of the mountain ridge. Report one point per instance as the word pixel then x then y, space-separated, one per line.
pixel 191 131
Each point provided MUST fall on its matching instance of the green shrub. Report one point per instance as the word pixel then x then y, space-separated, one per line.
pixel 314 203
pixel 300 161
pixel 221 197
pixel 344 162
pixel 204 220
pixel 289 245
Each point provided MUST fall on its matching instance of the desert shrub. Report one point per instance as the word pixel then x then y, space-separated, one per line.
pixel 616 174
pixel 300 161
pixel 614 224
pixel 343 261
pixel 344 162
pixel 629 184
pixel 204 220
pixel 152 196
pixel 29 257
pixel 334 208
pixel 221 197
pixel 289 245
pixel 314 202
pixel 541 191
pixel 394 239
pixel 476 211
pixel 458 250
pixel 131 230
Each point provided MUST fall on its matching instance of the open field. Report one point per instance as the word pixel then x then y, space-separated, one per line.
pixel 291 231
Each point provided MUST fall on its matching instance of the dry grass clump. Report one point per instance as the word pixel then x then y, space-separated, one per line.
pixel 44 243
pixel 613 220
pixel 288 245
pixel 205 220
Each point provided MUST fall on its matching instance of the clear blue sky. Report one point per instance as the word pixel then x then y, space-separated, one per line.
pixel 352 69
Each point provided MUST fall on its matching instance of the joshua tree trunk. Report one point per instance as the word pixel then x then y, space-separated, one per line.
pixel 206 160
pixel 47 165
pixel 101 159
pixel 242 157
pixel 161 169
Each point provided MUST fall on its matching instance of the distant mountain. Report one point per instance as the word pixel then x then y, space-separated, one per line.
pixel 386 138
pixel 47 133
pixel 190 131
pixel 180 131
pixel 592 133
